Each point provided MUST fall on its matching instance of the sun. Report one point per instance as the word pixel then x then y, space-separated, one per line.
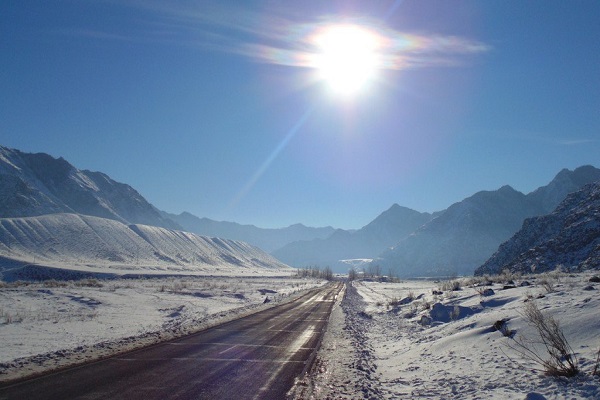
pixel 346 57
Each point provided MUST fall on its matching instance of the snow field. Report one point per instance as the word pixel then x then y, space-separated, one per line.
pixel 52 324
pixel 418 339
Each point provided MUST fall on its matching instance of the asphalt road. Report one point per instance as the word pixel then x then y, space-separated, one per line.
pixel 256 357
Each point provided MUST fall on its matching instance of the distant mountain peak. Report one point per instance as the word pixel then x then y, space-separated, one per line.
pixel 507 188
pixel 565 182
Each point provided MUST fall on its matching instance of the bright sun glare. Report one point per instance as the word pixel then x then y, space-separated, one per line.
pixel 347 57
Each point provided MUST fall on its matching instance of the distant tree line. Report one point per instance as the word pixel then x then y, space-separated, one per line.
pixel 372 271
pixel 314 271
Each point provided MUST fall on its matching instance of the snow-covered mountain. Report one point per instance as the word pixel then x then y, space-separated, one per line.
pixel 384 231
pixel 101 245
pixel 568 237
pixel 456 241
pixel 266 239
pixel 38 184
pixel 470 231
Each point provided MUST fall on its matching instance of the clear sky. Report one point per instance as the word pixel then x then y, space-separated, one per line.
pixel 223 108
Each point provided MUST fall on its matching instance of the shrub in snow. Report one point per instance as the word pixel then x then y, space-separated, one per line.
pixel 561 360
pixel 450 285
pixel 548 284
pixel 595 279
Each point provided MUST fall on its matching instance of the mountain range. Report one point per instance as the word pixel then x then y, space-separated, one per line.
pixel 569 237
pixel 404 241
pixel 55 215
pixel 453 241
pixel 369 241
pixel 465 235
pixel 265 238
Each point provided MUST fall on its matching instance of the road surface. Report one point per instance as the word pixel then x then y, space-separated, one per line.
pixel 256 357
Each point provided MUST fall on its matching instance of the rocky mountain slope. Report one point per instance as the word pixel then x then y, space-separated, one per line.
pixel 101 245
pixel 38 184
pixel 470 231
pixel 384 231
pixel 266 239
pixel 568 237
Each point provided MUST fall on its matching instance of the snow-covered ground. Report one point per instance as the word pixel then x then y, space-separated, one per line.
pixel 52 324
pixel 391 340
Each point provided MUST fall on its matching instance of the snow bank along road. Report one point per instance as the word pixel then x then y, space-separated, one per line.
pixel 256 357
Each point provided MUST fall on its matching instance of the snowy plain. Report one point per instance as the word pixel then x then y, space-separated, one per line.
pixel 391 341
pixel 384 339
pixel 52 324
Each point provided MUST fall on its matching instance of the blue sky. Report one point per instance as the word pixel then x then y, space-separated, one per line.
pixel 207 106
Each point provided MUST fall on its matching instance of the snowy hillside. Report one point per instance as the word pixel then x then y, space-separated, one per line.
pixel 423 340
pixel 569 237
pixel 38 184
pixel 100 245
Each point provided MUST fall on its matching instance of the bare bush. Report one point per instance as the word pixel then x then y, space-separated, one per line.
pixel 451 285
pixel 548 284
pixel 561 360
pixel 53 283
pixel 10 318
pixel 508 276
pixel 90 282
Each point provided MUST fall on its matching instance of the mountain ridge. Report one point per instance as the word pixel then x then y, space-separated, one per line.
pixel 268 239
pixel 34 184
pixel 466 234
